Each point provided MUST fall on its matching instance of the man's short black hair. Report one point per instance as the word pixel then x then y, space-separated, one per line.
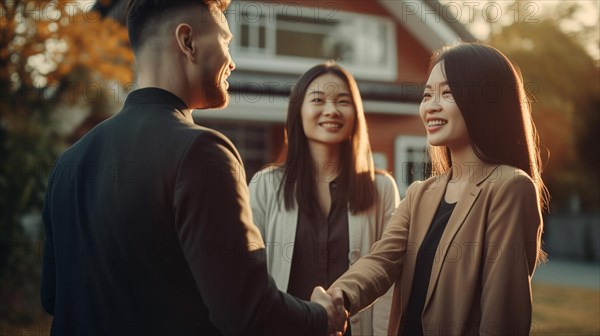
pixel 143 15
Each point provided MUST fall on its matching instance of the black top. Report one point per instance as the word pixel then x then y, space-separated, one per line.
pixel 147 226
pixel 425 259
pixel 321 246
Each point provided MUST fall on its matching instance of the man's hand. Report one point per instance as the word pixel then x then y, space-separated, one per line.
pixel 337 316
pixel 337 296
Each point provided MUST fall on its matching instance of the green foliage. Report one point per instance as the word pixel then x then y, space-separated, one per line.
pixel 51 61
pixel 28 150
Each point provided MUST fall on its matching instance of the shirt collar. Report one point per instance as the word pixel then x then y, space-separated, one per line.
pixel 154 95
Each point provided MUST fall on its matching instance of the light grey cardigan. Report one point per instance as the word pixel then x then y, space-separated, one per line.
pixel 278 229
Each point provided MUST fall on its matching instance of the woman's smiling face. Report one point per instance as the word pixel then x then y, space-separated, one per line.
pixel 441 116
pixel 328 111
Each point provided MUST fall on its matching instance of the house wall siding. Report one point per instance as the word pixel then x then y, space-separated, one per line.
pixel 412 64
pixel 384 129
pixel 412 56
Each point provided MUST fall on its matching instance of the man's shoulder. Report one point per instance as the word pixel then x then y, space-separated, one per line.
pixel 88 139
pixel 202 133
pixel 209 149
pixel 200 136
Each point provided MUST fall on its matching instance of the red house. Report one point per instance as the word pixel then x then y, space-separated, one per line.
pixel 386 45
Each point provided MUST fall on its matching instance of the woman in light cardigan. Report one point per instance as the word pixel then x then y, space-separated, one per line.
pixel 322 209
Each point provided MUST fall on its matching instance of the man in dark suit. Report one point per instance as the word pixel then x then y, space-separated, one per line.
pixel 147 221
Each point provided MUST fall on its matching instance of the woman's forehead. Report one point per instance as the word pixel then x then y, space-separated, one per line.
pixel 329 84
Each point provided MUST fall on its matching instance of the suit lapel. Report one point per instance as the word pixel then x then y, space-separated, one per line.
pixel 423 216
pixel 455 222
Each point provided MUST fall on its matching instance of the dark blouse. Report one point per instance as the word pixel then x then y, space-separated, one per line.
pixel 321 246
pixel 425 258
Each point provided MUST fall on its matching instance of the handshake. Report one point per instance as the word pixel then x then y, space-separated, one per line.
pixel 333 301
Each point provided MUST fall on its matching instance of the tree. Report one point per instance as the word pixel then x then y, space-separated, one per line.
pixel 59 64
pixel 558 54
pixel 563 78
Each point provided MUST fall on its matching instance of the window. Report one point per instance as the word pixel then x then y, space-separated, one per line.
pixel 286 37
pixel 411 161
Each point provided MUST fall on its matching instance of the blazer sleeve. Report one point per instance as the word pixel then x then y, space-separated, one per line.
pixel 511 244
pixel 48 281
pixel 390 198
pixel 224 249
pixel 371 276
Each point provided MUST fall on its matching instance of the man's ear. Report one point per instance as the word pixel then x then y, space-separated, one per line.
pixel 184 36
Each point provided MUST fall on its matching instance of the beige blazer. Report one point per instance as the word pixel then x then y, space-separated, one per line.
pixel 278 229
pixel 481 277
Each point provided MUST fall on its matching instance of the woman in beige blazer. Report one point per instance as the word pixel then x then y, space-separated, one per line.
pixel 463 245
pixel 325 206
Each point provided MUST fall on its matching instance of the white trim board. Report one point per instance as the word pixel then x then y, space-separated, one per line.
pixel 422 21
pixel 274 109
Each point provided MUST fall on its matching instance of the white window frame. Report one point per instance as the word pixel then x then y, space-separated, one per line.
pixel 404 148
pixel 267 60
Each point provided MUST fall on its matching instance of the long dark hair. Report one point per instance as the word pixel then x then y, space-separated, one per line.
pixel 488 90
pixel 356 179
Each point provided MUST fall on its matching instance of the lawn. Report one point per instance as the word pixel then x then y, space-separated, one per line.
pixel 557 311
pixel 562 311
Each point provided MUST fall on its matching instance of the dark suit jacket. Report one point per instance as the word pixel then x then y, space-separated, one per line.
pixel 480 280
pixel 149 231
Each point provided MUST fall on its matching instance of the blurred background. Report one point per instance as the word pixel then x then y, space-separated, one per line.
pixel 66 66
